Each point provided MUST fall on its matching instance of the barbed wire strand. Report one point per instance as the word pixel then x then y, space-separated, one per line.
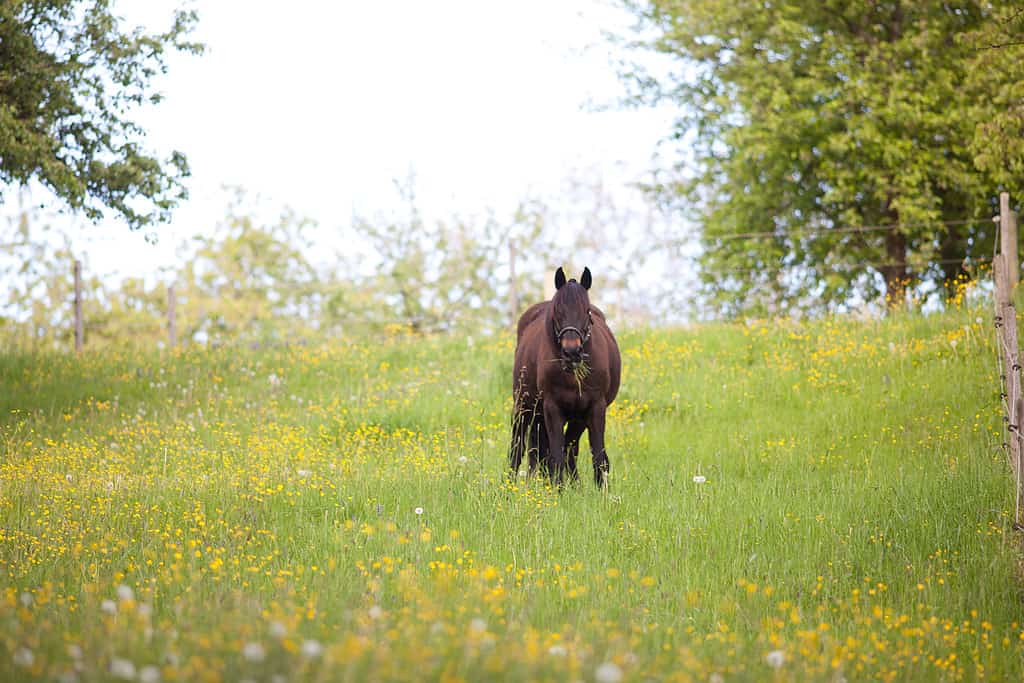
pixel 1001 353
pixel 842 229
pixel 845 267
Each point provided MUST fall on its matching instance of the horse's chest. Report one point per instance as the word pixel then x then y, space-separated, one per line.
pixel 573 397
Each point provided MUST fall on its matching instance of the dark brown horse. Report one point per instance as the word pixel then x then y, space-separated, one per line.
pixel 566 374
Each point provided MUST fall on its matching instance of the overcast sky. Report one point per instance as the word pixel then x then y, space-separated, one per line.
pixel 321 106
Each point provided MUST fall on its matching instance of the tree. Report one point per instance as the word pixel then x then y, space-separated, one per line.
pixel 70 76
pixel 249 280
pixel 834 144
pixel 995 75
pixel 404 273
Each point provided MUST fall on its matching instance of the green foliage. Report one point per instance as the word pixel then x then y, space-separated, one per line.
pixel 816 123
pixel 257 281
pixel 247 280
pixel 443 276
pixel 36 308
pixel 994 85
pixel 70 76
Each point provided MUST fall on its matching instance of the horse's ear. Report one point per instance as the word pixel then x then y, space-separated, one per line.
pixel 585 279
pixel 559 278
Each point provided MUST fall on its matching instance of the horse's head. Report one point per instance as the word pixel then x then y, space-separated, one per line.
pixel 570 309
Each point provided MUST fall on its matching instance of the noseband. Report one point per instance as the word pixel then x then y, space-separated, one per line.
pixel 584 335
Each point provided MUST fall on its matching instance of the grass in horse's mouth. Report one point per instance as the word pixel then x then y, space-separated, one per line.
pixel 580 370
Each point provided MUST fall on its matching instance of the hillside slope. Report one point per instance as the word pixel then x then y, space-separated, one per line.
pixel 341 513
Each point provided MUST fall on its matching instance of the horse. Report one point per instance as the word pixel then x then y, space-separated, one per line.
pixel 566 373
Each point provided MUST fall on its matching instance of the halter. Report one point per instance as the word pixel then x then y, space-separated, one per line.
pixel 584 337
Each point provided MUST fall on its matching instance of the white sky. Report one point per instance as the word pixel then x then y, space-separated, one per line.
pixel 320 106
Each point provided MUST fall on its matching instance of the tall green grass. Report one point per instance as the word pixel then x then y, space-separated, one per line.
pixel 807 501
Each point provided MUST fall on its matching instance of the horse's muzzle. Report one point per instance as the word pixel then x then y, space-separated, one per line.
pixel 573 354
pixel 572 347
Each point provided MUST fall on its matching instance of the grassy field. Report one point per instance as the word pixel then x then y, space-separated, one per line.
pixel 341 513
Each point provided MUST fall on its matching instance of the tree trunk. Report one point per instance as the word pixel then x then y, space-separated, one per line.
pixel 895 269
pixel 951 249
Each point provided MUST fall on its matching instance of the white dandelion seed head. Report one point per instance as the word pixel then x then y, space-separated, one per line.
pixel 24 658
pixel 274 380
pixel 122 668
pixel 125 593
pixel 75 651
pixel 303 473
pixel 108 607
pixel 775 658
pixel 716 678
pixel 699 479
pixel 557 651
pixel 149 674
pixel 254 652
pixel 311 649
pixel 609 672
pixel 145 610
pixel 418 511
pixel 277 629
pixel 478 625
pixel 463 459
pixel 25 599
pixel 375 612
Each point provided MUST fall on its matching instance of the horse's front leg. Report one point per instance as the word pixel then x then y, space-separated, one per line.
pixel 573 432
pixel 554 422
pixel 595 429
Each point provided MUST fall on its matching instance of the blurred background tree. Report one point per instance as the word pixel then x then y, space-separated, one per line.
pixel 35 308
pixel 452 274
pixel 249 280
pixel 259 277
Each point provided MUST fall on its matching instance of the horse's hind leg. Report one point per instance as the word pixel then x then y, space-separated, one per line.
pixel 595 430
pixel 518 445
pixel 538 448
pixel 573 431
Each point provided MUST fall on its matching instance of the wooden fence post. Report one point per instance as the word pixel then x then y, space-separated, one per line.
pixel 1008 238
pixel 172 316
pixel 79 331
pixel 1005 269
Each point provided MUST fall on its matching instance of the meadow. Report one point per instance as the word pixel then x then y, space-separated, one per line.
pixel 812 501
